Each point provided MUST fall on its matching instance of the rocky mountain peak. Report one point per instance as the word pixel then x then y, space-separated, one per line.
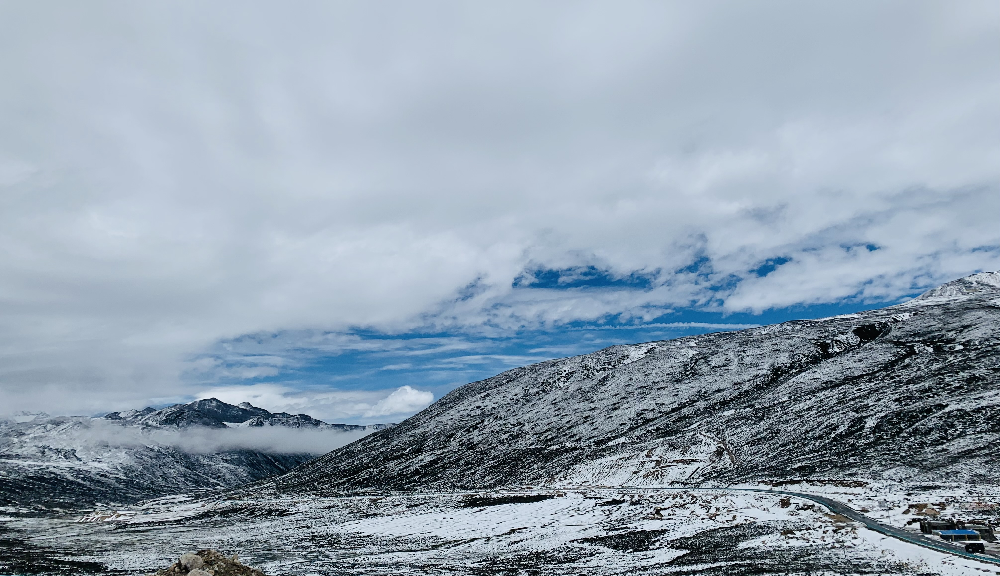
pixel 983 283
pixel 214 413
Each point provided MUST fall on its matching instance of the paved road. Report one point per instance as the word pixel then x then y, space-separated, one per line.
pixel 845 510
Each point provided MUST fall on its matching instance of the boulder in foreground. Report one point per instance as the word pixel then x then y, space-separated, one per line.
pixel 208 563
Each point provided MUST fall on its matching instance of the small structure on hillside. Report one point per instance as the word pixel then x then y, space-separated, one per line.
pixel 932 526
pixel 984 527
pixel 959 535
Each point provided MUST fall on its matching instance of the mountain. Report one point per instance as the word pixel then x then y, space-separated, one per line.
pixel 214 413
pixel 128 456
pixel 905 393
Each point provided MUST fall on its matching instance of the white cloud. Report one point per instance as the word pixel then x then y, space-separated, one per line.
pixel 370 406
pixel 403 400
pixel 274 439
pixel 97 434
pixel 172 176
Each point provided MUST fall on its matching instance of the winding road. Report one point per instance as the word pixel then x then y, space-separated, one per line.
pixel 848 512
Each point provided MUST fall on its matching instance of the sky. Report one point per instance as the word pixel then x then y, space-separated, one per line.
pixel 348 209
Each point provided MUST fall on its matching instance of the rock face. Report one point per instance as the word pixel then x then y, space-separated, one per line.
pixel 909 392
pixel 214 413
pixel 128 456
pixel 208 563
pixel 984 283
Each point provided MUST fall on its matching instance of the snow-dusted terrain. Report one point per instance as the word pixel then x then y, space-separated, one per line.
pixel 126 457
pixel 610 531
pixel 672 457
pixel 905 393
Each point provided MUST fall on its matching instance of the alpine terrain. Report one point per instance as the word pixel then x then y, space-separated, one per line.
pixel 809 447
pixel 905 393
pixel 128 456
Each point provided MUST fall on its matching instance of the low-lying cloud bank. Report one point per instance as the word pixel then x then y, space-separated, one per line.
pixel 97 435
pixel 272 439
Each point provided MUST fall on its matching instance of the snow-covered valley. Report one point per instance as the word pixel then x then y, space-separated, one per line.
pixel 673 457
pixel 600 531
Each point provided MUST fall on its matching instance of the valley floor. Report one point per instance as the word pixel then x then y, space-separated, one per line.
pixel 600 531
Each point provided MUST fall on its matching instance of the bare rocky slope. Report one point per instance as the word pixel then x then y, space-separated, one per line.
pixel 123 457
pixel 907 393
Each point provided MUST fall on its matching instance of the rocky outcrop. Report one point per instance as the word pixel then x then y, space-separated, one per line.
pixel 983 283
pixel 208 563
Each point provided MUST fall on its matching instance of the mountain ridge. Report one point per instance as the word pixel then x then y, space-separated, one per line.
pixel 974 284
pixel 907 392
pixel 72 461
pixel 214 413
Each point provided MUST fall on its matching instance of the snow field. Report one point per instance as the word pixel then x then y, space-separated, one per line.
pixel 593 531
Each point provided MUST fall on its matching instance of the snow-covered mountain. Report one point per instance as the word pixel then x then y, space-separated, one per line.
pixel 127 456
pixel 909 392
pixel 214 413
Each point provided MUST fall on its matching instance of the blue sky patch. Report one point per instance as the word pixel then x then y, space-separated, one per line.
pixel 769 265
pixel 441 361
pixel 582 277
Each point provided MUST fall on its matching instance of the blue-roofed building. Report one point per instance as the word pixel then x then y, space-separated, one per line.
pixel 959 535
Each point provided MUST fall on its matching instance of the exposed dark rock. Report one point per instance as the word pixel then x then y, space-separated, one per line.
pixel 18 556
pixel 632 541
pixel 497 500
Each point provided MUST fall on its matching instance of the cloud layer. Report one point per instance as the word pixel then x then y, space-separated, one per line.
pixel 373 406
pixel 176 175
pixel 96 435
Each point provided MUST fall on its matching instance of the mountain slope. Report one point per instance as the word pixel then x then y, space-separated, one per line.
pixel 908 392
pixel 129 456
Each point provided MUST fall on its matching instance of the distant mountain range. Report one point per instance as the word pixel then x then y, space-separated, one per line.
pixel 906 393
pixel 128 456
pixel 214 413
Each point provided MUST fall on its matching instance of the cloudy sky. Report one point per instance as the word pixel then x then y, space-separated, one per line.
pixel 349 208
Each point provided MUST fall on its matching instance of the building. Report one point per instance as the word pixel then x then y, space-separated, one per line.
pixel 959 535
pixel 932 526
